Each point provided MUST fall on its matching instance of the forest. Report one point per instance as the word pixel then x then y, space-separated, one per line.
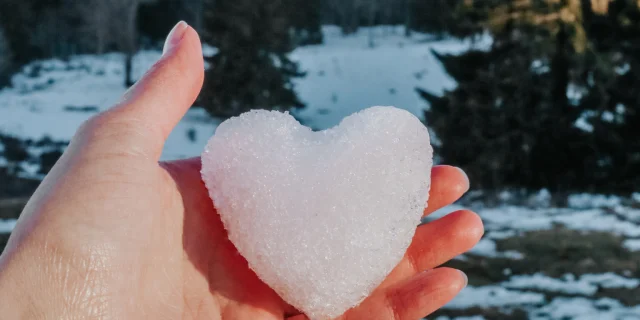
pixel 550 104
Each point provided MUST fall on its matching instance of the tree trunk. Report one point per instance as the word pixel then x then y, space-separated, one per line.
pixel 128 67
pixel 197 15
pixel 372 17
pixel 407 19
pixel 560 71
pixel 100 39
pixel 130 42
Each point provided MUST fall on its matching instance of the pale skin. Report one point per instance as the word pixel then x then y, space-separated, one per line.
pixel 111 233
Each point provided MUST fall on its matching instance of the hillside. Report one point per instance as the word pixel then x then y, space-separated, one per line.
pixel 535 261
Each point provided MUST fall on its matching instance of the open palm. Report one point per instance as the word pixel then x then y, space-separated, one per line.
pixel 113 234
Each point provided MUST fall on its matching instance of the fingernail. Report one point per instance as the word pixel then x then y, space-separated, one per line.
pixel 175 36
pixel 464 174
pixel 466 279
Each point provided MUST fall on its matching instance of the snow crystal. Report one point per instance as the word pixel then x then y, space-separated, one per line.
pixel 340 206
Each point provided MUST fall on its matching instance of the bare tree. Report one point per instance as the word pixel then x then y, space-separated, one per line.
pixel 370 8
pixel 194 9
pixel 408 17
pixel 5 59
pixel 346 14
pixel 53 34
pixel 97 17
pixel 128 34
pixel 114 22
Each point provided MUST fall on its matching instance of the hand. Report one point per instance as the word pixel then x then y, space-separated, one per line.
pixel 113 234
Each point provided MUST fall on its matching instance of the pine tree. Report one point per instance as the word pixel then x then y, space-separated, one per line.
pixel 434 16
pixel 18 19
pixel 251 69
pixel 510 122
pixel 305 20
pixel 613 101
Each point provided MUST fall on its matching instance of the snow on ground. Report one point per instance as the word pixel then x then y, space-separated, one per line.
pixel 461 318
pixel 487 247
pixel 586 309
pixel 538 295
pixel 531 219
pixel 504 297
pixel 493 296
pixel 52 98
pixel 587 284
pixel 344 75
pixel 7 225
pixel 632 244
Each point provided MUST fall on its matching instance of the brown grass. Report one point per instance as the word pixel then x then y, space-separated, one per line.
pixel 554 253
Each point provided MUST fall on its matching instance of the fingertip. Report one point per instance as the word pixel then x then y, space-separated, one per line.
pixel 464 185
pixel 464 278
pixel 163 95
pixel 438 241
pixel 186 63
pixel 425 292
pixel 195 44
pixel 448 184
pixel 453 280
pixel 451 179
pixel 470 224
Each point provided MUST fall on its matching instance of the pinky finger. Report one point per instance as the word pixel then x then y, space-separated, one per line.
pixel 413 298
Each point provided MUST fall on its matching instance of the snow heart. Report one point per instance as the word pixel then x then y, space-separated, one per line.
pixel 321 217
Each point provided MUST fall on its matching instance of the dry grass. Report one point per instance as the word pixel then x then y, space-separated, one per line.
pixel 554 253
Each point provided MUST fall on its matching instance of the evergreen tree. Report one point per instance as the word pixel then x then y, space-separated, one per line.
pixel 612 98
pixel 251 68
pixel 305 21
pixel 513 120
pixel 18 19
pixel 437 17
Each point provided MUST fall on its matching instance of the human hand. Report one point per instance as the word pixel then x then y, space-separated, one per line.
pixel 111 233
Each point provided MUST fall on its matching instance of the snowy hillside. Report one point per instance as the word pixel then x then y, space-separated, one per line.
pixel 344 75
pixel 535 262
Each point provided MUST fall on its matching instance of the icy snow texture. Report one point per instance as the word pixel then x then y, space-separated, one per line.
pixel 322 217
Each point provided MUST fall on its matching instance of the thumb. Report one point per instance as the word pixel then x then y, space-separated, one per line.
pixel 152 107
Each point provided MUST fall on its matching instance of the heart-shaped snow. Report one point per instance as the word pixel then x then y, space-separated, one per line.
pixel 321 217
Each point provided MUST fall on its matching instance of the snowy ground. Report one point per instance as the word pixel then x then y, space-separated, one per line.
pixel 344 75
pixel 579 262
pixel 535 262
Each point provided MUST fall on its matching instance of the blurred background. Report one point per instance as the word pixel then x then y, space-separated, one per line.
pixel 538 100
